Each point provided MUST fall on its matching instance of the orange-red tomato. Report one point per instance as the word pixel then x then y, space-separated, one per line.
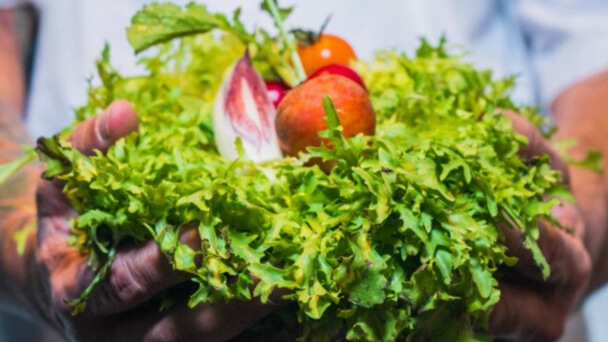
pixel 326 50
pixel 301 116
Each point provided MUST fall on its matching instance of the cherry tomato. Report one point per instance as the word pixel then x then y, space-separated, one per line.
pixel 340 70
pixel 276 91
pixel 326 50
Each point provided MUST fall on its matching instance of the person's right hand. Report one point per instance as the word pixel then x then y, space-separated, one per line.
pixel 119 308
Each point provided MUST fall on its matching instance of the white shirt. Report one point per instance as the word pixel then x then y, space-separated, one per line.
pixel 550 44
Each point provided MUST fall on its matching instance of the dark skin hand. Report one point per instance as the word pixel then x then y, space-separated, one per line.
pixel 533 309
pixel 536 311
pixel 117 310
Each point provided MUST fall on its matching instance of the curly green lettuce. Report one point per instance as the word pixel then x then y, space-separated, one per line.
pixel 401 241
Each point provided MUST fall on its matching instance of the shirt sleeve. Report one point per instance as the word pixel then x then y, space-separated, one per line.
pixel 567 40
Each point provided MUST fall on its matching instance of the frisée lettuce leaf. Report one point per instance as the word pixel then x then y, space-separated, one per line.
pixel 400 241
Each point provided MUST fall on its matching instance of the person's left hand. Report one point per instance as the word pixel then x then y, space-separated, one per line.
pixel 530 308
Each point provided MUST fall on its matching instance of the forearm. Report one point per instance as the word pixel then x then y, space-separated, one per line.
pixel 17 213
pixel 12 87
pixel 581 113
pixel 17 195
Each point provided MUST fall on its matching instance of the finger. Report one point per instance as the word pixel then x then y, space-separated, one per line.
pixel 537 145
pixel 206 322
pixel 51 201
pixel 524 314
pixel 210 323
pixel 103 130
pixel 138 274
pixel 566 255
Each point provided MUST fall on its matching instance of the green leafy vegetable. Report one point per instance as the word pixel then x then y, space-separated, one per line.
pixel 162 22
pixel 400 241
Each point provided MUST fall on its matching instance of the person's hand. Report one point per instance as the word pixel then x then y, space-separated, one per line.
pixel 531 309
pixel 118 309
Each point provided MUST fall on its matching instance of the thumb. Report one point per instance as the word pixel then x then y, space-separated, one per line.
pixel 103 130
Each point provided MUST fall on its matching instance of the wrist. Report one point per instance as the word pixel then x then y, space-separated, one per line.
pixel 24 284
pixel 18 240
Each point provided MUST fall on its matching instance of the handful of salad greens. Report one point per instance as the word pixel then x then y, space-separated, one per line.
pixel 400 241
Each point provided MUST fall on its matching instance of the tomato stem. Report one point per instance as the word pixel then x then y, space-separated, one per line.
pixel 274 11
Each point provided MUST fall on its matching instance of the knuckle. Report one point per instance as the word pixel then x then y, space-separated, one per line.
pixel 132 278
pixel 123 285
pixel 582 273
pixel 167 332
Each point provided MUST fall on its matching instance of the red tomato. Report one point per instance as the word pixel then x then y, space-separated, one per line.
pixel 339 70
pixel 326 50
pixel 276 91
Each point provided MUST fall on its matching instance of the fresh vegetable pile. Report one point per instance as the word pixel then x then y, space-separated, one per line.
pixel 398 239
